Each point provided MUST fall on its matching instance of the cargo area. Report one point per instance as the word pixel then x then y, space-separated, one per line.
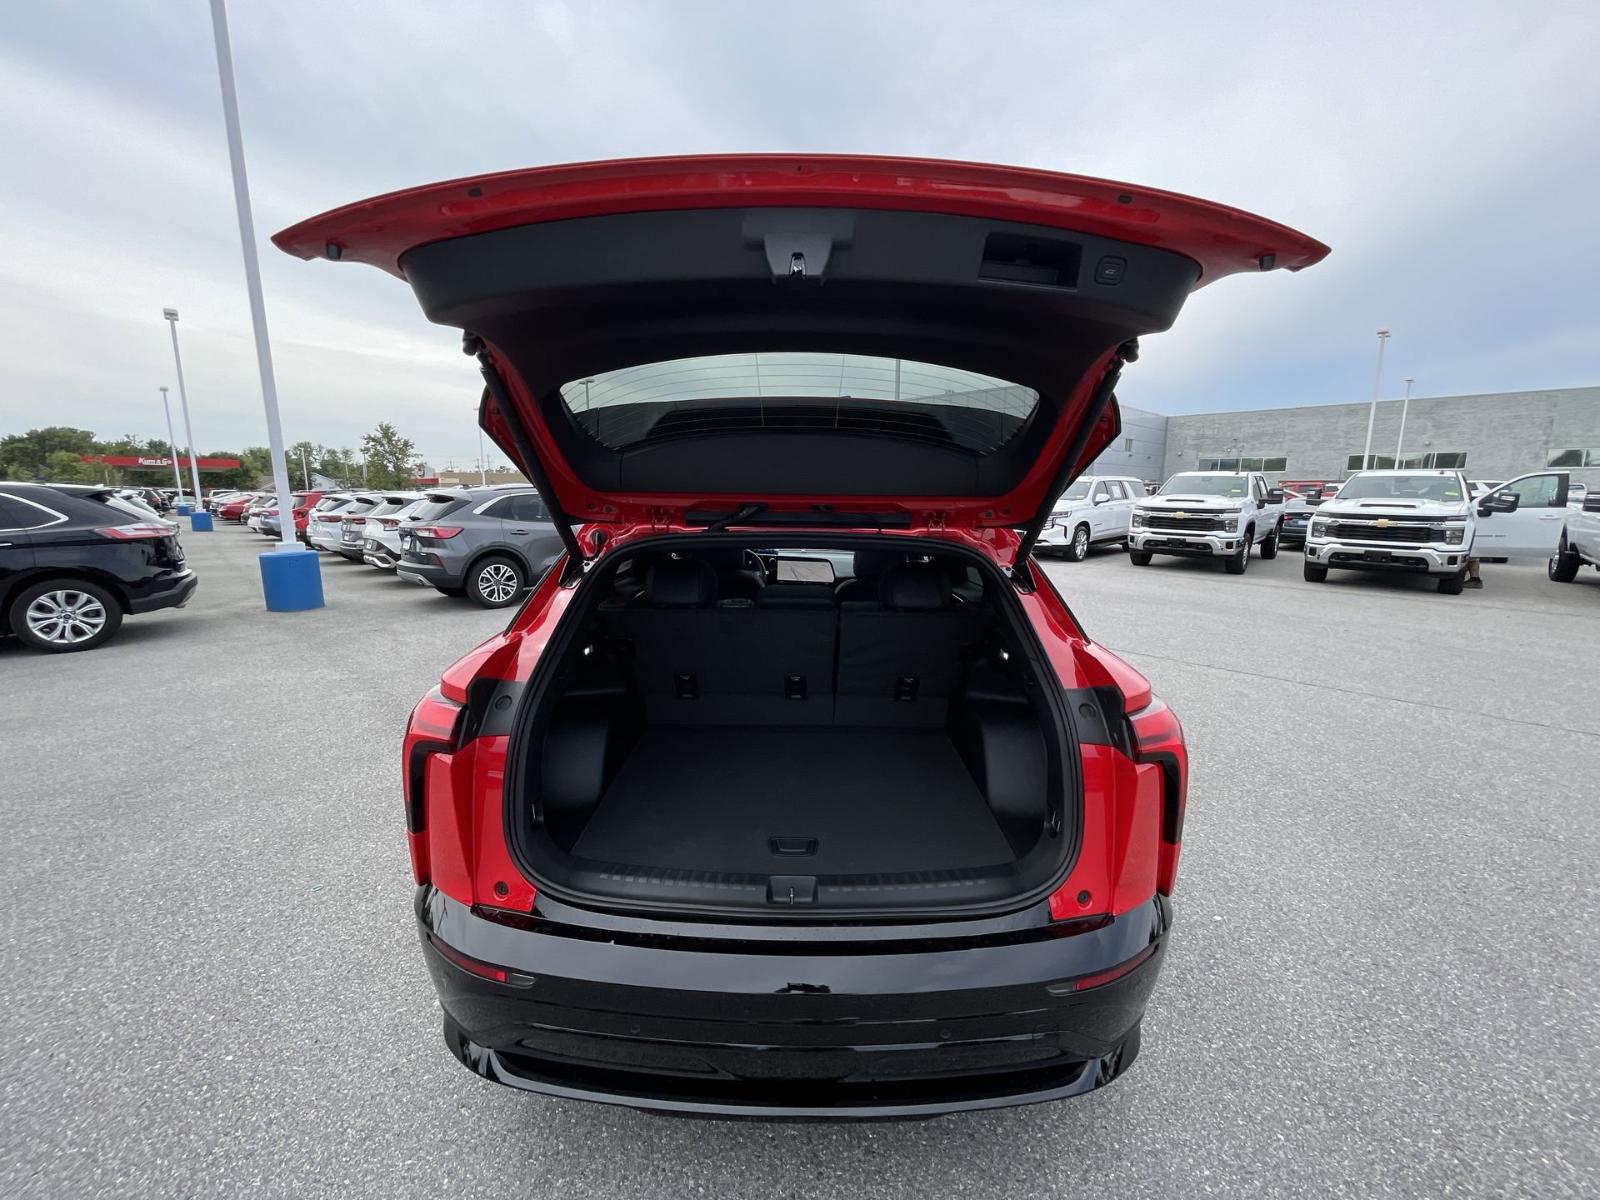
pixel 831 730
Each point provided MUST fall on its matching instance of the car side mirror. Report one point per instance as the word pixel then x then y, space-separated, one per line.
pixel 1499 502
pixel 1099 500
pixel 1274 495
pixel 1591 503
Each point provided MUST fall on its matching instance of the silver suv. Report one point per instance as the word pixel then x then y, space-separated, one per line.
pixel 490 543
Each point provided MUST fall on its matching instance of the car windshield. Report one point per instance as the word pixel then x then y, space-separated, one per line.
pixel 799 390
pixel 1078 491
pixel 1401 487
pixel 1204 485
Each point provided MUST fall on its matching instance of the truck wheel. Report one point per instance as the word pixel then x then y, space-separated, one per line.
pixel 1451 585
pixel 1140 558
pixel 1269 548
pixel 1078 549
pixel 1315 573
pixel 64 615
pixel 1564 566
pixel 1240 558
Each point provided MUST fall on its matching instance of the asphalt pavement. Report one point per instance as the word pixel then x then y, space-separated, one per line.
pixel 1381 980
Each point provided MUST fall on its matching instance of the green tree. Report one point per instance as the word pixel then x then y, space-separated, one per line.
pixel 389 457
pixel 27 455
pixel 303 458
pixel 66 466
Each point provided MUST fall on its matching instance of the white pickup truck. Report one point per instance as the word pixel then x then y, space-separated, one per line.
pixel 1427 522
pixel 1580 541
pixel 1208 514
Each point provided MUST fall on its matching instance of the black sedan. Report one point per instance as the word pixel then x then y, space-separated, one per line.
pixel 75 560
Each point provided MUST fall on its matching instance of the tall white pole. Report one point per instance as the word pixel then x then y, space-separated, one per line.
pixel 171 314
pixel 1372 411
pixel 252 270
pixel 173 442
pixel 483 475
pixel 1404 409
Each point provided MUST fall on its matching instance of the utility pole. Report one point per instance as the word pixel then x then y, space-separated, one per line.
pixel 1372 410
pixel 1404 409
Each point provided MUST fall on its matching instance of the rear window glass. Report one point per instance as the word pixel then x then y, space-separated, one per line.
pixel 796 390
pixel 431 508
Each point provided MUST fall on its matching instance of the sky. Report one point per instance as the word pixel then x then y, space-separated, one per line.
pixel 1447 152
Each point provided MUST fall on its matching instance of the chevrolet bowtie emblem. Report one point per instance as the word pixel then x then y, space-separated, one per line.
pixel 1382 522
pixel 1180 514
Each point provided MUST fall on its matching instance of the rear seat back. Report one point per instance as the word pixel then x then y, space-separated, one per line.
pixel 901 657
pixel 737 662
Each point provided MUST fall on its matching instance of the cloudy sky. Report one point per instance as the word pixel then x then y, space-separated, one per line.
pixel 1447 152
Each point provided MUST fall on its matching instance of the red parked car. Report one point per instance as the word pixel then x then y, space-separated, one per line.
pixel 233 509
pixel 795 788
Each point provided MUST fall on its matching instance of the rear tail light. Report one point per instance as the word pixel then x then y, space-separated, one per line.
pixel 437 531
pixel 387 523
pixel 433 729
pixel 1158 738
pixel 355 520
pixel 141 529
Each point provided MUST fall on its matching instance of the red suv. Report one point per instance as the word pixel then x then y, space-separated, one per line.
pixel 795 788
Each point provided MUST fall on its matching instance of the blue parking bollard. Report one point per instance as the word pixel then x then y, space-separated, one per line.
pixel 200 522
pixel 291 580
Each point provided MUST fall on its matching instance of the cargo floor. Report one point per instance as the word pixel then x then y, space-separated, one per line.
pixel 861 802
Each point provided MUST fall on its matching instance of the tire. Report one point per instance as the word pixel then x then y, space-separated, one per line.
pixel 1564 566
pixel 1240 558
pixel 1140 558
pixel 85 615
pixel 496 581
pixel 1315 573
pixel 1078 548
pixel 1451 585
pixel 1269 548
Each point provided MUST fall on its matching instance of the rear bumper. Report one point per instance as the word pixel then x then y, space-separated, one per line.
pixel 779 1028
pixel 172 592
pixel 1358 556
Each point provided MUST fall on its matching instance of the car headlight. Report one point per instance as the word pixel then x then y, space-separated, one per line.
pixel 1319 529
pixel 1138 521
pixel 1454 534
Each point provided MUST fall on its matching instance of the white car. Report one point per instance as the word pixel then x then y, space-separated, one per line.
pixel 1580 541
pixel 252 515
pixel 1428 522
pixel 1209 514
pixel 1095 509
pixel 381 538
pixel 323 525
pixel 360 518
pixel 1577 494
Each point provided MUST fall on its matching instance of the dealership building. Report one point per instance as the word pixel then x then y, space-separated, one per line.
pixel 1496 436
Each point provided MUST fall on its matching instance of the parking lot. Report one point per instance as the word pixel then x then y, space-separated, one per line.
pixel 1381 982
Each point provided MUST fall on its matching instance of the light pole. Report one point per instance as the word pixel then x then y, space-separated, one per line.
pixel 1404 409
pixel 289 581
pixel 171 314
pixel 173 442
pixel 1372 411
pixel 305 470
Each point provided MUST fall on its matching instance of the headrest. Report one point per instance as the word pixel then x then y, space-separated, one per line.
pixel 680 583
pixel 869 564
pixel 914 587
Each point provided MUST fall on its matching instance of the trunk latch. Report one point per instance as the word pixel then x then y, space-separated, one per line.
pixel 791 889
pixel 794 687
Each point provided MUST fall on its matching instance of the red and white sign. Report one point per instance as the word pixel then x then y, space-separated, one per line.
pixel 163 461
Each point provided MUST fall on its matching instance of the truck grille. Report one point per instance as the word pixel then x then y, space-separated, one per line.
pixel 1413 532
pixel 1160 520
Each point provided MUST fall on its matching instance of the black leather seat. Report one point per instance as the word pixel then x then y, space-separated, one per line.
pixel 737 579
pixel 698 660
pixel 867 568
pixel 901 657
